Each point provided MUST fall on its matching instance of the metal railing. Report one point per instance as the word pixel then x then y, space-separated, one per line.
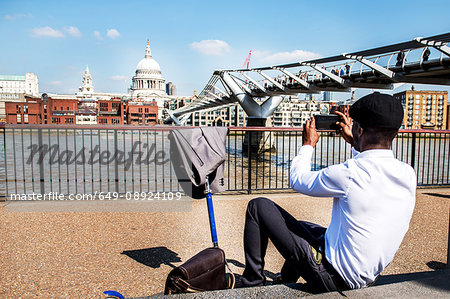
pixel 427 151
pixel 85 159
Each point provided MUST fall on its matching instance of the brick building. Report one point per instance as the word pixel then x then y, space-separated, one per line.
pixel 62 111
pixel 110 112
pixel 424 109
pixel 142 113
pixel 29 112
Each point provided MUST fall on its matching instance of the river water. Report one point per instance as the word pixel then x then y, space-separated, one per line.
pixel 140 162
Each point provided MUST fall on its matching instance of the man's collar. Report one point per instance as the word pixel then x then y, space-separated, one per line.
pixel 375 153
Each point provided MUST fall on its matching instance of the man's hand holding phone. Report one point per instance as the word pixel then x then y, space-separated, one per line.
pixel 310 135
pixel 345 127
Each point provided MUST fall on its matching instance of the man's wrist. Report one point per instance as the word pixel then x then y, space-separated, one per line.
pixel 310 143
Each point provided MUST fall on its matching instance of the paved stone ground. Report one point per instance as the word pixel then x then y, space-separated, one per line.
pixel 432 284
pixel 82 254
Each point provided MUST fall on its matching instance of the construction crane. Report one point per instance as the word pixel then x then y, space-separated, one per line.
pixel 247 60
pixel 246 66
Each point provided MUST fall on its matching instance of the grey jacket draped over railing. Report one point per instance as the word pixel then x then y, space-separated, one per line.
pixel 198 153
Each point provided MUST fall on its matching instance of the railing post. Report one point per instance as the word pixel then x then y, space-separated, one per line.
pixel 413 151
pixel 116 166
pixel 41 163
pixel 249 155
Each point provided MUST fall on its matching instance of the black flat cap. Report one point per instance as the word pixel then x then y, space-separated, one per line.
pixel 378 110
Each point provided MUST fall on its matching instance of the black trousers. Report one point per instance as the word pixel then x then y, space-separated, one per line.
pixel 293 239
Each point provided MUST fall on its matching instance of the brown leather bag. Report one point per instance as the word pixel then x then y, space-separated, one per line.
pixel 205 271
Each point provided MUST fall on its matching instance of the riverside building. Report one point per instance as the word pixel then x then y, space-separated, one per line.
pixel 14 89
pixel 424 109
pixel 293 112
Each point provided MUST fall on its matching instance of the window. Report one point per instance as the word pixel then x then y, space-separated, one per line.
pixel 18 109
pixel 19 118
pixel 25 118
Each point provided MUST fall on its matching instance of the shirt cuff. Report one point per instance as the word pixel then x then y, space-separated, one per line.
pixel 306 150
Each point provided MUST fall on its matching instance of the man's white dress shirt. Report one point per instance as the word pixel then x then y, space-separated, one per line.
pixel 374 197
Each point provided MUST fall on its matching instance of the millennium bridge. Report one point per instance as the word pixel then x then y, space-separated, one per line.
pixel 420 60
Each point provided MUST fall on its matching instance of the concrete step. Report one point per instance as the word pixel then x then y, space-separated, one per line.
pixel 431 284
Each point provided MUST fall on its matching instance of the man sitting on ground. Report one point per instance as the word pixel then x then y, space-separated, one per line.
pixel 374 196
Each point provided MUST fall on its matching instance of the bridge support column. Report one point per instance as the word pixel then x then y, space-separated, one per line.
pixel 258 116
pixel 258 142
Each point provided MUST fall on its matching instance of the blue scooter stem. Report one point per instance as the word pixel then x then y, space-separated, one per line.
pixel 212 221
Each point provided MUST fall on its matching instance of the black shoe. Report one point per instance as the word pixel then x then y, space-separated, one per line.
pixel 277 279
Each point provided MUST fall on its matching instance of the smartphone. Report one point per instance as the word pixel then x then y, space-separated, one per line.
pixel 327 121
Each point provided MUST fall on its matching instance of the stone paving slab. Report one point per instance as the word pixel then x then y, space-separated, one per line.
pixel 432 284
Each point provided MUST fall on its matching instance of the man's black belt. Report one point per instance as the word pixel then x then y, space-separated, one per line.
pixel 339 282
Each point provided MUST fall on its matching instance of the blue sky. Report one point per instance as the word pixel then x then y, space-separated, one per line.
pixel 56 39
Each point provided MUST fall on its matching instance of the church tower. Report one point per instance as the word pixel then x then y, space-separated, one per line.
pixel 87 88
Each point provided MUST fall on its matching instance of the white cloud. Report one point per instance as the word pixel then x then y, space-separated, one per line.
pixel 265 57
pixel 74 31
pixel 98 35
pixel 46 31
pixel 56 83
pixel 119 78
pixel 112 33
pixel 211 47
pixel 18 16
